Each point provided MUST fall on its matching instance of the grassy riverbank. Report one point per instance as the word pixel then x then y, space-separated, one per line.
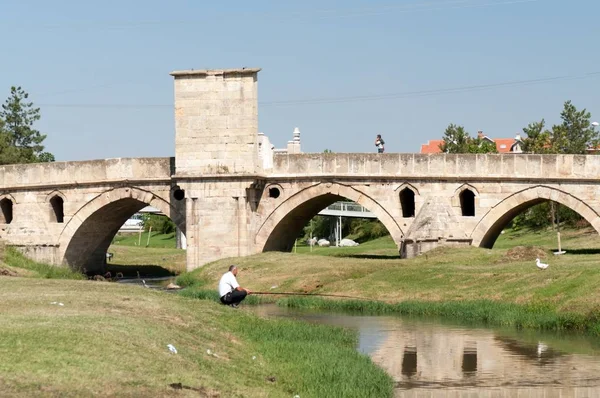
pixel 111 339
pixel 500 286
pixel 15 264
pixel 159 258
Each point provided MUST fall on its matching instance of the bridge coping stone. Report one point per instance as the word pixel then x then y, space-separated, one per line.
pixel 214 72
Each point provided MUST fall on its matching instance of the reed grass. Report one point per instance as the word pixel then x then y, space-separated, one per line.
pixel 530 316
pixel 16 259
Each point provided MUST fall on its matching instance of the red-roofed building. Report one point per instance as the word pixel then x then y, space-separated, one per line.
pixel 432 146
pixel 503 145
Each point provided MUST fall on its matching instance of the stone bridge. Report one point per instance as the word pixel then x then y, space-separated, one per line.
pixel 231 196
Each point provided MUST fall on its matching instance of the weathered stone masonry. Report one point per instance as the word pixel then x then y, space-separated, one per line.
pixel 229 202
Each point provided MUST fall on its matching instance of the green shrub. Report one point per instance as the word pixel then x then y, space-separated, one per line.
pixel 159 223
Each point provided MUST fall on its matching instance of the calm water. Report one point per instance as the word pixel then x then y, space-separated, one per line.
pixel 428 358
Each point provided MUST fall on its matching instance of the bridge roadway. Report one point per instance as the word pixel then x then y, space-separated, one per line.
pixel 68 212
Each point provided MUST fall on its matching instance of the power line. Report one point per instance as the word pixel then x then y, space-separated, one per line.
pixel 356 98
pixel 325 14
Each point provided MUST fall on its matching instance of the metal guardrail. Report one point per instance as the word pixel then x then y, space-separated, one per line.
pixel 347 209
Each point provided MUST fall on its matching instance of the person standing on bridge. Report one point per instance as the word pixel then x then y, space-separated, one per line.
pixel 379 144
pixel 230 291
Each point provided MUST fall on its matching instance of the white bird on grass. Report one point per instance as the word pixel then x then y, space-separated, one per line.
pixel 540 265
pixel 172 348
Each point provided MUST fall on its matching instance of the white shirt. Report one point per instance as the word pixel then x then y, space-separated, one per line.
pixel 227 284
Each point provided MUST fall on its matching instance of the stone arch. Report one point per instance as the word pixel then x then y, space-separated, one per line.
pixel 409 186
pixel 7 204
pixel 56 201
pixel 88 234
pixel 494 221
pixel 281 227
pixel 466 196
pixel 464 187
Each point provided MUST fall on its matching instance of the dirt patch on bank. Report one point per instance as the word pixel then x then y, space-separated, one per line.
pixel 6 270
pixel 522 253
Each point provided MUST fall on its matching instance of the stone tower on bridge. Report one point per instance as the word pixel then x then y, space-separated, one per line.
pixel 216 159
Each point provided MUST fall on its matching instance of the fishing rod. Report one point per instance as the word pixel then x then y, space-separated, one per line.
pixel 314 294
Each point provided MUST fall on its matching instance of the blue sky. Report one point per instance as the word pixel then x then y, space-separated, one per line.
pixel 100 71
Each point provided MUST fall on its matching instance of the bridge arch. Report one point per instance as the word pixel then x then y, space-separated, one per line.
pixel 7 202
pixel 493 222
pixel 88 234
pixel 283 225
pixel 56 201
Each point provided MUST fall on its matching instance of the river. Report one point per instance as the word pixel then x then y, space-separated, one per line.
pixel 433 358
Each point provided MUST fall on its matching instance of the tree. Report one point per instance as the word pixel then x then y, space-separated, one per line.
pixel 479 145
pixel 457 140
pixel 575 135
pixel 19 141
pixel 538 139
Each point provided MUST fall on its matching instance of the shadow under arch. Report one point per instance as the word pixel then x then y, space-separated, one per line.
pixel 281 228
pixel 88 234
pixel 491 225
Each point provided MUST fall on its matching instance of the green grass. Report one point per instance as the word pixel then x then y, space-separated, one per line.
pixel 380 247
pixel 110 340
pixel 159 258
pixel 14 259
pixel 157 240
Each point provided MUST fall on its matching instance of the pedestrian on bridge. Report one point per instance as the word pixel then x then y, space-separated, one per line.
pixel 379 144
pixel 230 291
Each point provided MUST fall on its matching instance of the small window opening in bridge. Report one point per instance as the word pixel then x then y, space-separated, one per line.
pixel 274 193
pixel 57 204
pixel 409 361
pixel 467 203
pixel 7 211
pixel 407 201
pixel 179 194
pixel 469 361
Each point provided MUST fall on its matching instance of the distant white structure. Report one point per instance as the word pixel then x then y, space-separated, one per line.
pixel 347 243
pixel 323 243
pixel 266 149
pixel 135 223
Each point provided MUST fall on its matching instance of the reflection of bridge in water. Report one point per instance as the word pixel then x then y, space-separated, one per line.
pixel 438 361
pixel 430 359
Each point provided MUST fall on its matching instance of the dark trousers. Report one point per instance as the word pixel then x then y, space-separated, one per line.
pixel 234 297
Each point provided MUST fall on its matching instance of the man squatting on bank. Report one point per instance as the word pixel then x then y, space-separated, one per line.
pixel 230 291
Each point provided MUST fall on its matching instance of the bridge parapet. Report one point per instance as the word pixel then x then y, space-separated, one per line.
pixel 84 172
pixel 459 166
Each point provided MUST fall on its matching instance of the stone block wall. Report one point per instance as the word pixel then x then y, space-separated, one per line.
pixel 216 121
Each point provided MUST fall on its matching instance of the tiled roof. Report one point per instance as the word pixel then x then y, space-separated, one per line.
pixel 432 146
pixel 502 145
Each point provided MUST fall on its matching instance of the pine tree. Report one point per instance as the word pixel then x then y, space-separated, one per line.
pixel 575 135
pixel 19 141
